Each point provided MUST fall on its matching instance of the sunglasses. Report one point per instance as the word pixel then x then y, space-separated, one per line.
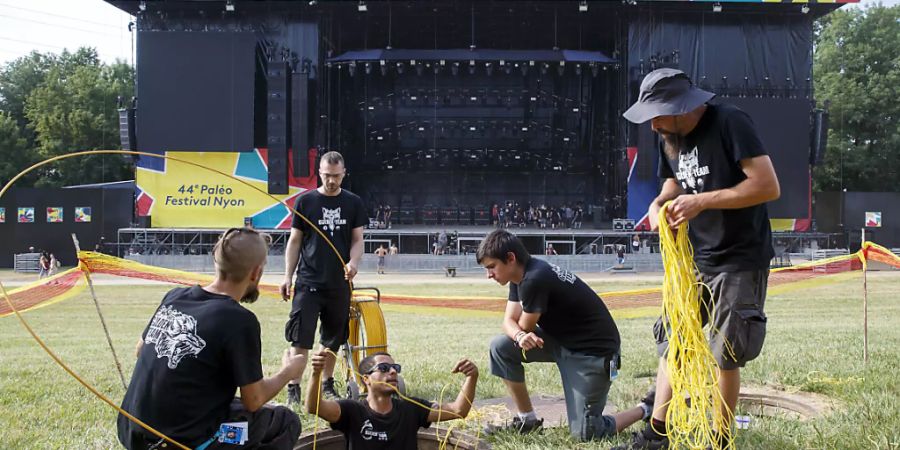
pixel 384 368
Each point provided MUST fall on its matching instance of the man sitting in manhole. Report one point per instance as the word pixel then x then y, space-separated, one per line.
pixel 553 316
pixel 382 421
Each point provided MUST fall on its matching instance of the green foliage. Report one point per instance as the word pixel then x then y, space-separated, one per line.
pixel 14 148
pixel 857 70
pixel 64 103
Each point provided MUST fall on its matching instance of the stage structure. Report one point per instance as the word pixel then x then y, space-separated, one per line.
pixel 445 108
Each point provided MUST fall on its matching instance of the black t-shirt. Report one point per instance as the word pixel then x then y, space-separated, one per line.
pixel 724 240
pixel 368 430
pixel 199 347
pixel 571 312
pixel 336 216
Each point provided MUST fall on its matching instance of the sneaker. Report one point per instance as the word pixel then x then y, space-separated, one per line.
pixel 328 389
pixel 517 425
pixel 640 441
pixel 647 403
pixel 293 394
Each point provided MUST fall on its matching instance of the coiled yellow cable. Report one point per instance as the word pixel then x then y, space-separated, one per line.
pixel 693 373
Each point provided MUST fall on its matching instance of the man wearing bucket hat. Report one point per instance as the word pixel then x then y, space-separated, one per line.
pixel 719 177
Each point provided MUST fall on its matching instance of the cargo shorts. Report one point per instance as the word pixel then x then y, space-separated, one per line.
pixel 738 326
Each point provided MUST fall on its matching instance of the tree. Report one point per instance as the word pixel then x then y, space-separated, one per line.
pixel 73 109
pixel 857 70
pixel 14 149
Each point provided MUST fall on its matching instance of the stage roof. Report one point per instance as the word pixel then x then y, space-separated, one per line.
pixel 134 6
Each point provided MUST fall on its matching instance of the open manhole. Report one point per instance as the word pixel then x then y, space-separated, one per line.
pixel 758 401
pixel 429 439
pixel 769 402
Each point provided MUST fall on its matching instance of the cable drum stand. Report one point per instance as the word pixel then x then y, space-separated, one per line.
pixel 368 335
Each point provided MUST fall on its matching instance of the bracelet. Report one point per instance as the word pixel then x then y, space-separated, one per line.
pixel 519 336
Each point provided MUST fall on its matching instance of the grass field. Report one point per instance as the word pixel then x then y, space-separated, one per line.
pixel 814 344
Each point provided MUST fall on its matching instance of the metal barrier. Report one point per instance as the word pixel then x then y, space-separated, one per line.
pixel 27 262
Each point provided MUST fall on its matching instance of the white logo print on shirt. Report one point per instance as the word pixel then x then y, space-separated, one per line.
pixel 564 275
pixel 174 335
pixel 368 432
pixel 689 171
pixel 331 220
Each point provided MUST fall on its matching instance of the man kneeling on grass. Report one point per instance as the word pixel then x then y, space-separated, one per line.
pixel 200 346
pixel 382 421
pixel 553 316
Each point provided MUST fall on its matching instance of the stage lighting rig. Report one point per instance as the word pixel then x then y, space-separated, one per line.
pixel 717 7
pixel 582 6
pixel 229 5
pixel 362 7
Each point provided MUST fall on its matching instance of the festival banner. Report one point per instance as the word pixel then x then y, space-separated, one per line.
pixel 179 194
pixel 873 219
pixel 82 214
pixel 54 214
pixel 26 215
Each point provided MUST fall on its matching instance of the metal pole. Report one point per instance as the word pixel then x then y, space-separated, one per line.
pixel 865 299
pixel 90 284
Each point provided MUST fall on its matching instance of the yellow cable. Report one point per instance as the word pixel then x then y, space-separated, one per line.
pixel 691 366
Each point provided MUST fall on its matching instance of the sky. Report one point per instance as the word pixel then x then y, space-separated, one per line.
pixel 51 25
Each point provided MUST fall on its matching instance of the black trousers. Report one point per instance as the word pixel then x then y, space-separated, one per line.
pixel 270 428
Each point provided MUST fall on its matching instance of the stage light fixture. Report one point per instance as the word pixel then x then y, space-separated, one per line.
pixel 420 68
pixel 578 69
pixel 524 68
pixel 383 68
pixel 472 67
pixel 361 7
pixel 454 69
pixel 562 68
pixel 352 68
pixel 368 68
pixel 229 6
pixel 804 9
pixel 582 6
pixel 142 6
pixel 595 69
pixel 489 68
pixel 399 68
pixel 717 7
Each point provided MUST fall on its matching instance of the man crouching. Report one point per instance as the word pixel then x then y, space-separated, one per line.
pixel 200 346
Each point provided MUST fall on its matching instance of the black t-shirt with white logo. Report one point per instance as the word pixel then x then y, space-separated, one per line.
pixel 724 240
pixel 336 216
pixel 571 312
pixel 366 429
pixel 198 349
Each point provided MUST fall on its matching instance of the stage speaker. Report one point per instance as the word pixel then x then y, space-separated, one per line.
pixel 126 129
pixel 300 123
pixel 278 116
pixel 819 140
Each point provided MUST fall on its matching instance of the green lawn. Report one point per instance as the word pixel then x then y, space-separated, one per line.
pixel 815 331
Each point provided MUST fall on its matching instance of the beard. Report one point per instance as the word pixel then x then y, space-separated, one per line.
pixel 251 295
pixel 672 144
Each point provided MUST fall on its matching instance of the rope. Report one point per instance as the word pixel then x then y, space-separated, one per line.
pixel 690 362
pixel 55 357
